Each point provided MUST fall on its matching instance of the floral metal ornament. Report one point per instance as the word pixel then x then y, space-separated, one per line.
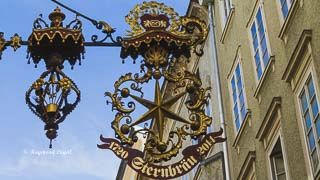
pixel 162 39
pixel 15 42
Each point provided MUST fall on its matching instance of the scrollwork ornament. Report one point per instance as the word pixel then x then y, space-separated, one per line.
pixel 157 148
pixel 39 23
pixel 75 24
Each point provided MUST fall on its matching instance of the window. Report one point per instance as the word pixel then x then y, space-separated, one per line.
pixel 285 6
pixel 277 162
pixel 259 43
pixel 226 6
pixel 238 94
pixel 309 106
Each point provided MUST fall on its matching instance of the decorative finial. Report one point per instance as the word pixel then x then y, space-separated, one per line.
pixel 57 9
pixel 57 17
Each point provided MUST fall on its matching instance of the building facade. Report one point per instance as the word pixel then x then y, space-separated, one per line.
pixel 268 61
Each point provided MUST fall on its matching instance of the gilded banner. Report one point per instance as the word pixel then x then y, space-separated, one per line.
pixel 192 155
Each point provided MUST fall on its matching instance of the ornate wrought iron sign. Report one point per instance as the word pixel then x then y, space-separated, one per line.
pixel 161 39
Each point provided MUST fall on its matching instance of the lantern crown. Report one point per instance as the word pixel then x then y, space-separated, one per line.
pixel 47 41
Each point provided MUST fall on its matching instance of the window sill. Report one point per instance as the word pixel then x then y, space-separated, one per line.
pixel 242 127
pixel 227 25
pixel 264 75
pixel 289 18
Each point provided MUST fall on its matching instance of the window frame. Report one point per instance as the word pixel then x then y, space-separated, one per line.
pixel 271 146
pixel 284 22
pixel 310 74
pixel 264 67
pixel 225 11
pixel 273 164
pixel 289 6
pixel 232 76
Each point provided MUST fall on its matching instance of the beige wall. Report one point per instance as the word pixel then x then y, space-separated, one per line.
pixel 237 39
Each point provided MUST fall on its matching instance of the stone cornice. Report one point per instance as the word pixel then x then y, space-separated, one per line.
pixel 268 118
pixel 294 60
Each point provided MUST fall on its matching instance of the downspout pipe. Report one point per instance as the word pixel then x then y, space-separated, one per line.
pixel 218 85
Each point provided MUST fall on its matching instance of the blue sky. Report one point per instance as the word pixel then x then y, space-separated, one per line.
pixel 22 134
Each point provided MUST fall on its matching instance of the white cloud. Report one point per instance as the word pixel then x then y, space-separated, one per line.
pixel 80 160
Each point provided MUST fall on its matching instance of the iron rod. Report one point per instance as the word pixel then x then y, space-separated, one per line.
pixel 101 44
pixel 94 22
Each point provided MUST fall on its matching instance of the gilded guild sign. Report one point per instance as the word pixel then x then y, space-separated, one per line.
pixel 160 39
pixel 162 42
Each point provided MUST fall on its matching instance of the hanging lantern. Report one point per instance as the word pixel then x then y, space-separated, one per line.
pixel 54 95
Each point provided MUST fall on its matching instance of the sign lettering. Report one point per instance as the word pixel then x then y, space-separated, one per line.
pixel 192 155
